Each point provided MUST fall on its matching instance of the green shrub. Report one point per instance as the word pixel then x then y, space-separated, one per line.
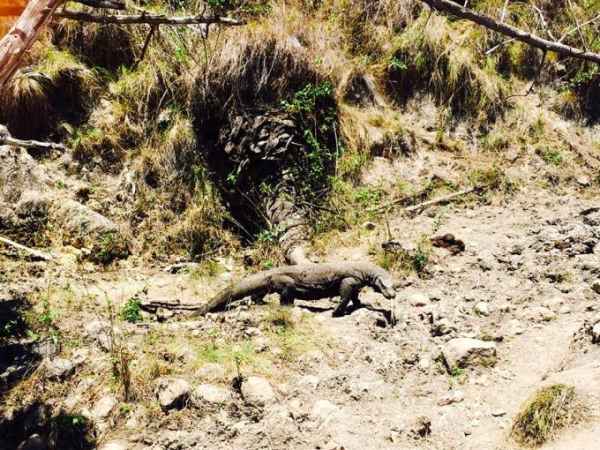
pixel 131 310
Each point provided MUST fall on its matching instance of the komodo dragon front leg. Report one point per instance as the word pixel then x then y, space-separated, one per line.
pixel 349 289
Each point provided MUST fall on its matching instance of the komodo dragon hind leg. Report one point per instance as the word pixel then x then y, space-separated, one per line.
pixel 285 287
pixel 349 288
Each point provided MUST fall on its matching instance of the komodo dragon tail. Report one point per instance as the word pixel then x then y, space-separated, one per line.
pixel 217 303
pixel 253 284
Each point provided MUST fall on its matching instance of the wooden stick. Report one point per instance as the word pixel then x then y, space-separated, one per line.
pixel 439 200
pixel 9 140
pixel 427 203
pixel 30 251
pixel 147 18
pixel 508 30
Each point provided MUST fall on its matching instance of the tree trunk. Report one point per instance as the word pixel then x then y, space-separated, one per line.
pixel 23 34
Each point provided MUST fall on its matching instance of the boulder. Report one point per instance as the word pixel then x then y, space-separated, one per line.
pixel 172 393
pixel 482 309
pixel 103 407
pixel 99 331
pixel 208 393
pixel 464 352
pixel 116 445
pixel 258 391
pixel 324 410
pixel 58 368
pixel 79 222
pixel 211 372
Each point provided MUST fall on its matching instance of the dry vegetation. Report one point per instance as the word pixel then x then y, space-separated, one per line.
pixel 548 411
pixel 151 122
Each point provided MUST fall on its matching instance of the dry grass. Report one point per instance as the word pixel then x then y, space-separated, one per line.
pixel 549 410
pixel 38 98
pixel 433 57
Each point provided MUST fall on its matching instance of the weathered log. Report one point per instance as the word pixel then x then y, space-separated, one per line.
pixel 513 32
pixel 9 140
pixel 36 254
pixel 147 18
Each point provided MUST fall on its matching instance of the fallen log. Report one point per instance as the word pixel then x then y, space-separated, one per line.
pixel 9 140
pixel 36 254
pixel 147 18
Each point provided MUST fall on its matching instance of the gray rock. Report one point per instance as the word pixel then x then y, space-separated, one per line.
pixel 308 382
pixel 163 314
pixel 464 352
pixel 442 327
pixel 451 397
pixel 208 393
pixel 542 314
pixel 211 372
pixel 418 299
pixel 324 410
pixel 482 308
pixel 115 445
pixel 103 407
pixel 514 328
pixel 172 393
pixel 78 221
pixel 58 368
pixel 99 331
pixel 258 391
pixel 596 334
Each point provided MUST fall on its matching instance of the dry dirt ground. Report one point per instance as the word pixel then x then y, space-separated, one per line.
pixel 528 281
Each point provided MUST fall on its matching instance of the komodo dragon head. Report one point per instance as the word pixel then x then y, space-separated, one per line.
pixel 384 284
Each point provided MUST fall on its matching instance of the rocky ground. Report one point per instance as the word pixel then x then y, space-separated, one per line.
pixel 476 334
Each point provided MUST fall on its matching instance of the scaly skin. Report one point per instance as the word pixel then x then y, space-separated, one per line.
pixel 307 282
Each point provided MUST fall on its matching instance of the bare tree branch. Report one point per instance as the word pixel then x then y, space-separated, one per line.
pixel 508 30
pixel 8 140
pixel 147 18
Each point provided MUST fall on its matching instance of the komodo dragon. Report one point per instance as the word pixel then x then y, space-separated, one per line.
pixel 307 282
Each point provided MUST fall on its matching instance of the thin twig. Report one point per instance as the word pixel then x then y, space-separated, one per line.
pixel 422 205
pixel 146 44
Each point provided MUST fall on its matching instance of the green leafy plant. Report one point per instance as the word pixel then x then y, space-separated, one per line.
pixel 131 310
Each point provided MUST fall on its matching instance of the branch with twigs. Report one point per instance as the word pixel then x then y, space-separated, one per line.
pixel 457 10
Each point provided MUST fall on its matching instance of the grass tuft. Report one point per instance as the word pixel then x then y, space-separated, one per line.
pixel 549 410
